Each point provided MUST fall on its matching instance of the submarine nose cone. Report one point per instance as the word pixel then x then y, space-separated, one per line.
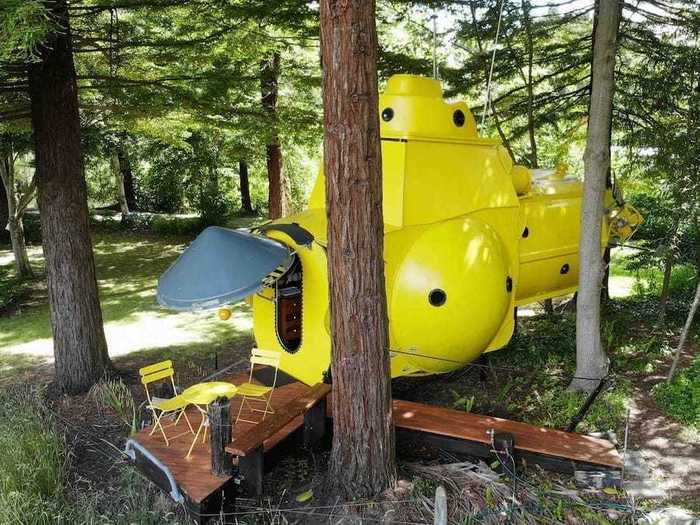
pixel 449 294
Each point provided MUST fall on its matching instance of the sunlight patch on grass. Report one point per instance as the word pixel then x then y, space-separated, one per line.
pixel 128 266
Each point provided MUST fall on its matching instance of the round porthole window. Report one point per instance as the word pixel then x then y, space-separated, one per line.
pixel 437 297
pixel 526 232
pixel 387 114
pixel 564 269
pixel 458 118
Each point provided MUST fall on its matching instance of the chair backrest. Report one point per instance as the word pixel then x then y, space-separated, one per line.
pixel 258 356
pixel 152 373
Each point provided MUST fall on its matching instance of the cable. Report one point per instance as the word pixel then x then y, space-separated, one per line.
pixel 487 98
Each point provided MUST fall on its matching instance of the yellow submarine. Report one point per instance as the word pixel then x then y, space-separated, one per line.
pixel 468 237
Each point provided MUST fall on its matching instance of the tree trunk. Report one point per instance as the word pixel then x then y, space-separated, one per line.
pixel 80 348
pixel 269 78
pixel 127 177
pixel 119 182
pixel 15 211
pixel 668 270
pixel 686 331
pixel 245 186
pixel 362 458
pixel 19 247
pixel 591 360
pixel 4 215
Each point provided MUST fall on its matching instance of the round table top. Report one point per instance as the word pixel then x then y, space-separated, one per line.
pixel 206 393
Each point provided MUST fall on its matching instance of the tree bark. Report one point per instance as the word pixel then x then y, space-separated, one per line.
pixel 4 215
pixel 591 360
pixel 686 331
pixel 269 85
pixel 363 455
pixel 119 182
pixel 245 186
pixel 127 176
pixel 15 212
pixel 80 348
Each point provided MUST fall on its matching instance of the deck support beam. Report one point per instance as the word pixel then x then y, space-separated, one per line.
pixel 252 469
pixel 219 413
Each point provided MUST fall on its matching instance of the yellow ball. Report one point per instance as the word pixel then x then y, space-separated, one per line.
pixel 224 314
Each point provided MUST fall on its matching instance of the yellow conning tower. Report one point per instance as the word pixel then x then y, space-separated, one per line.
pixel 468 237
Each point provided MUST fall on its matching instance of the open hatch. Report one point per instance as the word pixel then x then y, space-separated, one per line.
pixel 223 266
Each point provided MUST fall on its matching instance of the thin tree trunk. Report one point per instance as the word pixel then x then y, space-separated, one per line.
pixel 269 79
pixel 686 331
pixel 127 176
pixel 668 271
pixel 591 360
pixel 363 455
pixel 245 186
pixel 119 182
pixel 15 211
pixel 80 348
pixel 4 215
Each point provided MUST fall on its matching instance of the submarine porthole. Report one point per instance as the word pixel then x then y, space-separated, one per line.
pixel 437 297
pixel 564 269
pixel 509 284
pixel 458 118
pixel 288 307
pixel 526 232
pixel 387 114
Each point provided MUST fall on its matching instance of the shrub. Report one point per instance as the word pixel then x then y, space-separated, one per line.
pixel 680 398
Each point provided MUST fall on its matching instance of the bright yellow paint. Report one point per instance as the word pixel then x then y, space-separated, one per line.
pixel 459 217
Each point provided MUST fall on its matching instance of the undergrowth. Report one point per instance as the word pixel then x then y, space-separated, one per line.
pixel 680 398
pixel 35 475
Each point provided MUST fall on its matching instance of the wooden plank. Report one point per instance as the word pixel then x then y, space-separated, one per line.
pixel 474 427
pixel 270 425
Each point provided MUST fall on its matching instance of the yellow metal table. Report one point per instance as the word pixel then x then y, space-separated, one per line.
pixel 201 396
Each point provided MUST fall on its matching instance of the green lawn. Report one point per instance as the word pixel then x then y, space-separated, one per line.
pixel 128 267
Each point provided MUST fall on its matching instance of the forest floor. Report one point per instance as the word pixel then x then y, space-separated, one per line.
pixel 525 381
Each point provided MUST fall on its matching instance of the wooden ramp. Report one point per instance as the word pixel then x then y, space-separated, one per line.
pixel 465 432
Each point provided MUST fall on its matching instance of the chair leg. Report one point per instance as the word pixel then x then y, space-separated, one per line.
pixel 196 436
pixel 240 409
pixel 162 430
pixel 183 413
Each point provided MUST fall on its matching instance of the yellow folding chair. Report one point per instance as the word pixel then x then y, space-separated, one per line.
pixel 252 392
pixel 159 406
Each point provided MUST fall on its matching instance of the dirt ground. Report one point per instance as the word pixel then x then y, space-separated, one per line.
pixel 671 453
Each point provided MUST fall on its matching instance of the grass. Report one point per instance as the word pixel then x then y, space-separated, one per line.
pixel 33 467
pixel 681 397
pixel 128 266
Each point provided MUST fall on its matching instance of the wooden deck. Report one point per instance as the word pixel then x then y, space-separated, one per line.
pixel 193 474
pixel 416 423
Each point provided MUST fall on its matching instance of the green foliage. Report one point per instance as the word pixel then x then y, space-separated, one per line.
pixel 24 24
pixel 681 397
